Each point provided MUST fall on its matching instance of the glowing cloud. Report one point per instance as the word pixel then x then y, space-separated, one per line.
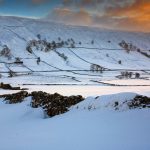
pixel 132 15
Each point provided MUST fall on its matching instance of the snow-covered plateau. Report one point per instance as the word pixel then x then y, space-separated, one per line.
pixel 110 69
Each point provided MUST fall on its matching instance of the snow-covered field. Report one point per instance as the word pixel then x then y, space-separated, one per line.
pixel 22 127
pixel 129 82
pixel 81 128
pixel 70 65
pixel 85 90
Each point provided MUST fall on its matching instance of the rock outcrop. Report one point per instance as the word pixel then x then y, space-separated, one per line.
pixel 15 98
pixel 8 87
pixel 53 104
pixel 139 102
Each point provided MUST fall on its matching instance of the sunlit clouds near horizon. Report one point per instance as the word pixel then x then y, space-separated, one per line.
pixel 130 15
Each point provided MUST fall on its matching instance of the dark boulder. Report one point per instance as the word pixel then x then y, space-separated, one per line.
pixel 139 102
pixel 8 87
pixel 5 86
pixel 15 98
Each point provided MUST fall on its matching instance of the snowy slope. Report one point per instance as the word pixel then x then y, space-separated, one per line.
pixel 22 127
pixel 17 32
pixel 92 124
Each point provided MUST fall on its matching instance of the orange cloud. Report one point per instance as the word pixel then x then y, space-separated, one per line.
pixel 134 17
pixel 71 17
pixel 131 15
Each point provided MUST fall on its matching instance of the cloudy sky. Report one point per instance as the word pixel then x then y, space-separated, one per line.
pixel 131 15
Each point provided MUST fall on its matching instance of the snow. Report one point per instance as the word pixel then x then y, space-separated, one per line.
pixel 100 127
pixel 88 90
pixel 17 32
pixel 129 82
pixel 23 127
pixel 84 90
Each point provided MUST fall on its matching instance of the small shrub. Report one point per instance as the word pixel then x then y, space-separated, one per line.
pixel 137 75
pixel 92 42
pixel 119 62
pixel 39 36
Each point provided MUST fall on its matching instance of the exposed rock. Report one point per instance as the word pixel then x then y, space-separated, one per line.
pixel 116 104
pixel 139 102
pixel 8 87
pixel 15 98
pixel 53 104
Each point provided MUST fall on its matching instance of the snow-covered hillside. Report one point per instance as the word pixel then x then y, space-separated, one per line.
pixel 69 64
pixel 91 124
pixel 108 70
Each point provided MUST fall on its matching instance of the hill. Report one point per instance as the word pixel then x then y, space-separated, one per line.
pixel 69 54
